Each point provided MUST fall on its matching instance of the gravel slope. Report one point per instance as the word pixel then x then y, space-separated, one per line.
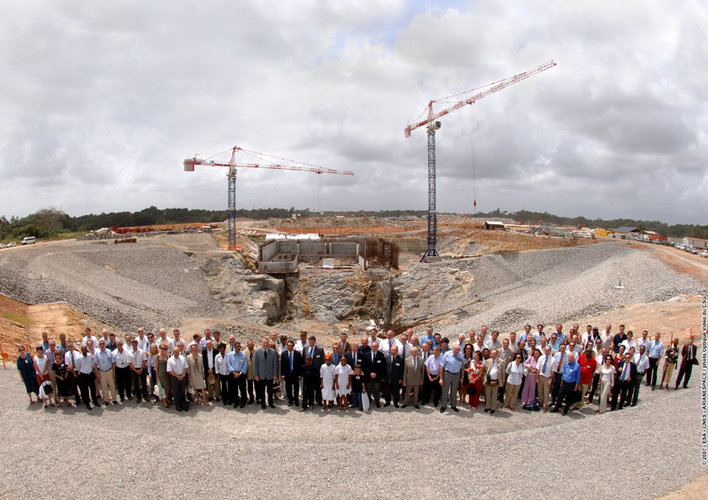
pixel 124 285
pixel 648 450
pixel 546 286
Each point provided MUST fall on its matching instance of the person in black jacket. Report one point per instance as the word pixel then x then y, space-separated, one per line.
pixel 290 366
pixel 310 381
pixel 394 376
pixel 374 364
pixel 624 380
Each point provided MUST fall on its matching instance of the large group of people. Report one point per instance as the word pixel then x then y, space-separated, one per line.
pixel 537 371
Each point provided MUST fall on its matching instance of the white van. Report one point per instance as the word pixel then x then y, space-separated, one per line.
pixel 28 240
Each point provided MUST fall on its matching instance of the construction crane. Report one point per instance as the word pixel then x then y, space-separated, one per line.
pixel 433 124
pixel 232 165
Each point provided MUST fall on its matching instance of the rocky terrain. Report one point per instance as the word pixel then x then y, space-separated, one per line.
pixel 174 280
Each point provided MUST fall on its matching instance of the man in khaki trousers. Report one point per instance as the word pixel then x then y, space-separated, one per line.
pixel 492 378
pixel 545 376
pixel 103 360
pixel 412 378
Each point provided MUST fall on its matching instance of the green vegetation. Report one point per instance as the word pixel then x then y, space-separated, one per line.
pixel 54 224
pixel 17 318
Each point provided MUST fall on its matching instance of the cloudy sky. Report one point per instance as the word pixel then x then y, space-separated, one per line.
pixel 100 102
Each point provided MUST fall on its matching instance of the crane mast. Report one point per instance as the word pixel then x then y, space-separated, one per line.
pixel 432 124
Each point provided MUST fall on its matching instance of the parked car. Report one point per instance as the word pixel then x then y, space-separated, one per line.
pixel 692 249
pixel 29 240
pixel 11 244
pixel 704 253
pixel 2 245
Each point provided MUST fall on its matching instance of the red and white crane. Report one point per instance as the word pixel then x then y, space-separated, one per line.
pixel 433 124
pixel 232 165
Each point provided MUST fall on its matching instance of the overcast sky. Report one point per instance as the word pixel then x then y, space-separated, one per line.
pixel 100 102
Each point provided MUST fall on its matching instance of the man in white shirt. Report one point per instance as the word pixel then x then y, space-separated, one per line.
pixel 121 362
pixel 644 340
pixel 390 341
pixel 641 361
pixel 544 365
pixel 493 343
pixel 302 343
pixel 176 337
pixel 629 342
pixel 72 373
pixel 89 336
pixel 197 341
pixel 87 377
pixel 177 368
pixel 221 367
pixel 143 342
pixel 138 372
pixel 163 339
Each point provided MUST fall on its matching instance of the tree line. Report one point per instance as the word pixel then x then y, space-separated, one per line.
pixel 49 222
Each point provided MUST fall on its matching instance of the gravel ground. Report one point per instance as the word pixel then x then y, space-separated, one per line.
pixel 545 286
pixel 645 451
pixel 125 285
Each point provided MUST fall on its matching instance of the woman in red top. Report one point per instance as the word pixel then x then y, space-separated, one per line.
pixel 475 375
pixel 588 365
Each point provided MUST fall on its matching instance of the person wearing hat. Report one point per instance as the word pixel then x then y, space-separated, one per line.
pixel 327 375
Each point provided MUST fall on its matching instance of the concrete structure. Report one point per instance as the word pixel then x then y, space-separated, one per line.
pixel 284 256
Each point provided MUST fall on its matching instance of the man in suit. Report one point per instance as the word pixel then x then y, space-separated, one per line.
pixel 344 345
pixel 265 372
pixel 290 366
pixel 317 354
pixel 375 370
pixel 212 384
pixel 394 376
pixel 412 378
pixel 353 356
pixel 688 359
pixel 336 354
pixel 493 376
pixel 624 379
pixel 251 382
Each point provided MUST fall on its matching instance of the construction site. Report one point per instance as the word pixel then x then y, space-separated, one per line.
pixel 331 274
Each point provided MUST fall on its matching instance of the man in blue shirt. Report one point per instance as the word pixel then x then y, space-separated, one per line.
pixel 570 384
pixel 451 367
pixel 237 361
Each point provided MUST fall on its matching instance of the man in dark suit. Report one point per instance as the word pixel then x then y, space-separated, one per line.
pixel 353 356
pixel 317 354
pixel 374 365
pixel 265 372
pixel 290 367
pixel 624 380
pixel 618 339
pixel 210 379
pixel 394 376
pixel 688 359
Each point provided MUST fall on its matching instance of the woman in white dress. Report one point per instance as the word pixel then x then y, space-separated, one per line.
pixel 607 380
pixel 195 366
pixel 343 383
pixel 327 375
